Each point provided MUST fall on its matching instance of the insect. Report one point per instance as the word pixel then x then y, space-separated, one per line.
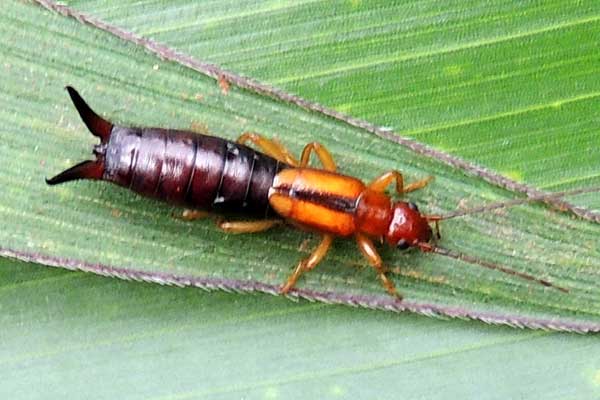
pixel 206 173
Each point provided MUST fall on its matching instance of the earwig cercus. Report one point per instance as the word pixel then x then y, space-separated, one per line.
pixel 214 174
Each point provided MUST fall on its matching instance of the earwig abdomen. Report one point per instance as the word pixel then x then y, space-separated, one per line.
pixel 190 169
pixel 179 167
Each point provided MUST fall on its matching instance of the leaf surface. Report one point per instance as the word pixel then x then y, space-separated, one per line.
pixel 67 334
pixel 512 86
pixel 98 227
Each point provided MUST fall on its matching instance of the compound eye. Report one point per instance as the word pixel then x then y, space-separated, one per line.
pixel 413 207
pixel 402 244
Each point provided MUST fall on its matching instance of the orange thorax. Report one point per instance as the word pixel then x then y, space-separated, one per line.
pixel 329 202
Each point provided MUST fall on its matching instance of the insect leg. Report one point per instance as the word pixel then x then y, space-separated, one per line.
pixel 308 263
pixel 271 147
pixel 192 215
pixel 321 152
pixel 368 250
pixel 420 184
pixel 380 183
pixel 247 226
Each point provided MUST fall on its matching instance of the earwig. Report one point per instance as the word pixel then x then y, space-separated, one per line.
pixel 206 173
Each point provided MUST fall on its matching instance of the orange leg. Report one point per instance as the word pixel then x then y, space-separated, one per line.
pixel 308 263
pixel 368 250
pixel 278 151
pixel 380 183
pixel 321 152
pixel 271 147
pixel 192 215
pixel 247 226
pixel 231 226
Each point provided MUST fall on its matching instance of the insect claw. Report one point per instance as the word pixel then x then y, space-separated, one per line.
pixel 286 287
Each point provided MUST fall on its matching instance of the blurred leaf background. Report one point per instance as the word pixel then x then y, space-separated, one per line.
pixel 512 87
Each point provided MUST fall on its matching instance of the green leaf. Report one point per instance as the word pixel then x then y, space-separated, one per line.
pixel 67 334
pixel 98 227
pixel 511 85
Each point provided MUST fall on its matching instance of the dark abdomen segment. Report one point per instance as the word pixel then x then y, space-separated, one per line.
pixel 190 169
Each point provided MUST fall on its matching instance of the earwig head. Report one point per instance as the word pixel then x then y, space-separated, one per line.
pixel 92 169
pixel 408 226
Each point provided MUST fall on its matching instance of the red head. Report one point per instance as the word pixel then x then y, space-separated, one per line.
pixel 407 227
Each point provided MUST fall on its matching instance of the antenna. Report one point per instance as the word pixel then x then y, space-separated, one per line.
pixel 433 248
pixel 510 203
pixel 429 248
